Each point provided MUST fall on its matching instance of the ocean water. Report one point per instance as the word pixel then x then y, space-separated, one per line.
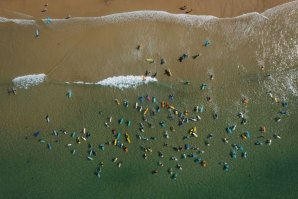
pixel 238 48
pixel 35 171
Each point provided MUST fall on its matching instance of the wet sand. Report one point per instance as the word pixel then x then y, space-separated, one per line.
pixel 84 8
pixel 93 49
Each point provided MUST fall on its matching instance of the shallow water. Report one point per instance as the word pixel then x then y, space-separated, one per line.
pixel 73 54
pixel 38 172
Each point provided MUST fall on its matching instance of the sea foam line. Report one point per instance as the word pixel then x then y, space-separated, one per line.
pixel 18 21
pixel 142 15
pixel 121 82
pixel 152 15
pixel 29 80
pixel 286 7
pixel 145 15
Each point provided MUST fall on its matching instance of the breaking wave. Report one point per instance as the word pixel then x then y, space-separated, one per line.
pixel 121 82
pixel 29 80
pixel 18 21
pixel 283 83
pixel 152 15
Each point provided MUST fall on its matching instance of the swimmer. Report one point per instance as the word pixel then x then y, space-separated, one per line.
pixel 225 140
pixel 12 90
pixel 160 154
pixel 195 56
pixel 183 7
pixel 168 72
pixel 188 11
pixel 174 158
pixel 147 73
pixel 208 99
pixel 215 116
pixel 154 75
pixel 263 129
pixel 179 167
pixel 145 156
pixel 68 16
pixel 160 164
pixel 154 172
pixel 244 101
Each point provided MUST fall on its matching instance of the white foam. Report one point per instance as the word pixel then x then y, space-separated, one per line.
pixel 126 81
pixel 158 15
pixel 78 82
pixel 17 21
pixel 29 80
pixel 289 6
pixel 283 83
pixel 86 83
pixel 250 14
pixel 152 15
pixel 121 82
pixel 142 15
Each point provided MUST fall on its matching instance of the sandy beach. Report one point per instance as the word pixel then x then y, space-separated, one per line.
pixel 127 99
pixel 108 45
pixel 87 8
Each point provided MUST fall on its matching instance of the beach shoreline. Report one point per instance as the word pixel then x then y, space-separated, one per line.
pixel 35 9
pixel 69 41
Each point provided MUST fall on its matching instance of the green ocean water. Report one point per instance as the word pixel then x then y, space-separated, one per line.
pixel 29 170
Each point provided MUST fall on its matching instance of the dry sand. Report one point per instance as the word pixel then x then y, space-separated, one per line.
pixel 62 8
